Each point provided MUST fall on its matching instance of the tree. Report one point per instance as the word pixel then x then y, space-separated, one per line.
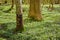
pixel 19 21
pixel 51 3
pixel 5 2
pixel 11 6
pixel 57 1
pixel 35 11
pixel 26 1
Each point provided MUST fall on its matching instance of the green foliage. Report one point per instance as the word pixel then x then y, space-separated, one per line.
pixel 47 29
pixel 2 39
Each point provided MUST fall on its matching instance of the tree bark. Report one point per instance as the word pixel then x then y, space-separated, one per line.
pixel 35 11
pixel 19 20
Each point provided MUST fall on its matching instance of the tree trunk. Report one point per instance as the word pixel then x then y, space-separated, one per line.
pixel 11 7
pixel 19 21
pixel 51 5
pixel 35 11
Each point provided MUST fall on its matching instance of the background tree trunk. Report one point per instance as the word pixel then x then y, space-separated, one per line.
pixel 35 11
pixel 51 3
pixel 11 7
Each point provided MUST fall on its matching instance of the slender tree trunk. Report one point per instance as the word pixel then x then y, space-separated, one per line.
pixel 5 2
pixel 35 11
pixel 19 20
pixel 11 7
pixel 51 5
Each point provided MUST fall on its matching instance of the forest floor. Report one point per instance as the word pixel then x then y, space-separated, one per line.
pixel 47 29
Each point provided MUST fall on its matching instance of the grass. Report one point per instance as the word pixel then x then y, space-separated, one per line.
pixel 47 29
